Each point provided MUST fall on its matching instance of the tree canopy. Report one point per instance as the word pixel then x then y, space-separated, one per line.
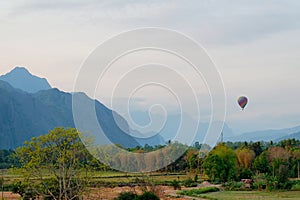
pixel 51 164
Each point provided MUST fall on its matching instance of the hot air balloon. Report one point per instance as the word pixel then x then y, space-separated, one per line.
pixel 242 101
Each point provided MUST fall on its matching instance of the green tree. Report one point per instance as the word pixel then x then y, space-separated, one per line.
pixel 257 148
pixel 52 164
pixel 278 158
pixel 296 163
pixel 213 167
pixel 191 158
pixel 7 159
pixel 261 163
pixel 245 158
pixel 221 163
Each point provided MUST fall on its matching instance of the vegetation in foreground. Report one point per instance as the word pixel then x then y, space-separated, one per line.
pixel 252 195
pixel 198 192
pixel 57 166
pixel 134 196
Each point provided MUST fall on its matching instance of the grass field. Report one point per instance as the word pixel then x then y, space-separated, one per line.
pixel 114 178
pixel 14 175
pixel 249 195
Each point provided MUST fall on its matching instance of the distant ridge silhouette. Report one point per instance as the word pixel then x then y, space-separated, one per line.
pixel 22 79
pixel 31 112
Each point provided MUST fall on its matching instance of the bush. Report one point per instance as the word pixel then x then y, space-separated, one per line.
pixel 126 196
pixel 196 178
pixel 272 183
pixel 197 192
pixel 287 185
pixel 216 181
pixel 233 186
pixel 133 196
pixel 147 196
pixel 189 183
pixel 260 182
pixel 296 187
pixel 176 184
pixel 24 190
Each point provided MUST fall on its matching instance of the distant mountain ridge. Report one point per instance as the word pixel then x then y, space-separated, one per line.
pixel 29 112
pixel 22 79
pixel 25 115
pixel 266 135
pixel 172 124
pixel 290 136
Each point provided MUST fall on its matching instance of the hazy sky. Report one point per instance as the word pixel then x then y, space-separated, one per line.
pixel 254 43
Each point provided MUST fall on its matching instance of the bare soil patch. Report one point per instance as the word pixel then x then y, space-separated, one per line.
pixel 10 196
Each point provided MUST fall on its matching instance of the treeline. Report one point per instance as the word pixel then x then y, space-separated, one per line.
pixel 225 162
pixel 7 159
pixel 57 165
pixel 248 158
pixel 268 165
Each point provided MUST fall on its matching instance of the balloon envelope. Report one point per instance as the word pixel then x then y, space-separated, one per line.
pixel 242 101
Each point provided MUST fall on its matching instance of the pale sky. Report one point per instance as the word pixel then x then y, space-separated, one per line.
pixel 255 45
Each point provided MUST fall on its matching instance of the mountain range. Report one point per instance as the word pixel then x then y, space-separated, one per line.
pixel 25 114
pixel 20 78
pixel 30 107
pixel 267 135
pixel 172 123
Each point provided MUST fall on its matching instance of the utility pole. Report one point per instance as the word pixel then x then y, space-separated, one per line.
pixel 222 135
pixel 200 161
pixel 298 170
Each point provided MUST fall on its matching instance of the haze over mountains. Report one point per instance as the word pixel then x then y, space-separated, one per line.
pixel 30 107
pixel 25 115
pixel 267 135
pixel 172 123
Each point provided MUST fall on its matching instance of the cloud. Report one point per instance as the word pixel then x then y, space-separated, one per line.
pixel 255 43
pixel 215 22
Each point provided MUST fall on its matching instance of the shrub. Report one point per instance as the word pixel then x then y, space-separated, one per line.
pixel 133 196
pixel 234 186
pixel 296 187
pixel 287 185
pixel 197 192
pixel 216 181
pixel 196 178
pixel 126 196
pixel 272 183
pixel 24 190
pixel 176 184
pixel 260 181
pixel 189 183
pixel 147 196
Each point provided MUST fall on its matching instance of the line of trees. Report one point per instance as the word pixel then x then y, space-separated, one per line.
pixel 7 160
pixel 57 165
pixel 268 166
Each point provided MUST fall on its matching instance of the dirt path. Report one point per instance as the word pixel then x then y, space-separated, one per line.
pixel 9 196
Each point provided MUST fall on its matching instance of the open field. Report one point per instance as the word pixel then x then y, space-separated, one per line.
pixel 111 177
pixel 249 195
pixel 167 193
pixel 104 193
pixel 117 182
